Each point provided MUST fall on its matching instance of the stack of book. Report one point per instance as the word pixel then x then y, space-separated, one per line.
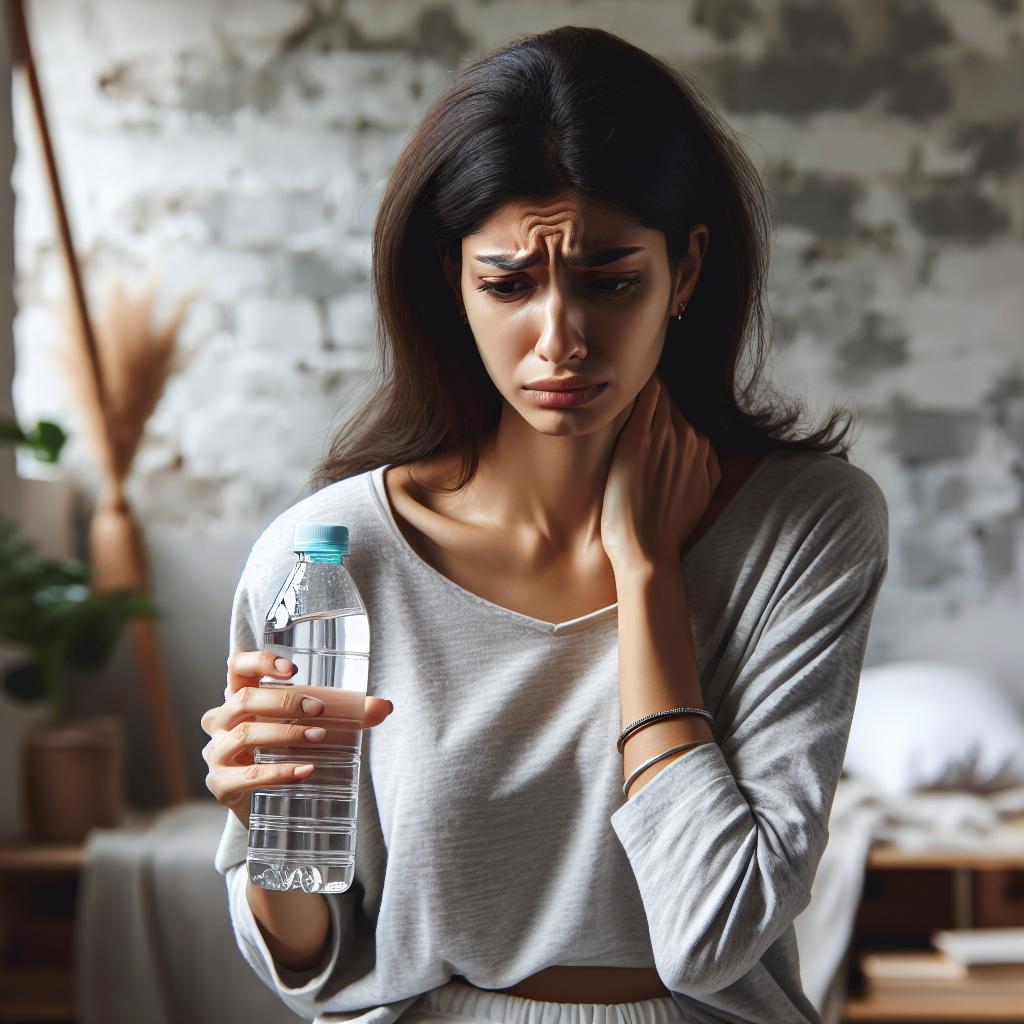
pixel 968 966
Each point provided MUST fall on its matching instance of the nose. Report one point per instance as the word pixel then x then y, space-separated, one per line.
pixel 560 329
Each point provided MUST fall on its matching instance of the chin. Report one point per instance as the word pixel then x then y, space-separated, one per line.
pixel 556 424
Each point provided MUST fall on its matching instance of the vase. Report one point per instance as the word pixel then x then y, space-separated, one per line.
pixel 74 777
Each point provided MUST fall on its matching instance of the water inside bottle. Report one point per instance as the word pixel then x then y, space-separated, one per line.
pixel 303 834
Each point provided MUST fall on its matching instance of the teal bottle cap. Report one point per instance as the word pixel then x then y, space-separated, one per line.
pixel 321 538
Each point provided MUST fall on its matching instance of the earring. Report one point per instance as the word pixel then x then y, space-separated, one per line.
pixel 679 315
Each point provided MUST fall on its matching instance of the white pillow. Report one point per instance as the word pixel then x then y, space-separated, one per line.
pixel 923 725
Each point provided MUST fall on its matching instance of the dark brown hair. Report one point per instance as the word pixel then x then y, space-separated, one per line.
pixel 578 111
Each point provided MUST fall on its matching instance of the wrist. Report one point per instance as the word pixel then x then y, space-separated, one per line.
pixel 640 576
pixel 294 924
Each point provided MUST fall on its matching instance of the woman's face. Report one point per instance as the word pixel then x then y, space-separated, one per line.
pixel 569 287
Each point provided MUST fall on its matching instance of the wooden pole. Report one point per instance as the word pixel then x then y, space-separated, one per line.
pixel 22 52
pixel 143 633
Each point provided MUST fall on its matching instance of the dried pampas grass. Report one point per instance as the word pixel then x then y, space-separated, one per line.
pixel 135 357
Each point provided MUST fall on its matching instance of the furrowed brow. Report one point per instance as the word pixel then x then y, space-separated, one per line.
pixel 509 260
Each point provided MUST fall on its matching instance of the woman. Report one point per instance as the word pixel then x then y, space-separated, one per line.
pixel 621 624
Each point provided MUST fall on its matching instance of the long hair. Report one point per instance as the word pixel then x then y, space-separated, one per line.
pixel 578 111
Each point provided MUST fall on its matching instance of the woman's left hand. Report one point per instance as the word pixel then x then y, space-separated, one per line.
pixel 660 481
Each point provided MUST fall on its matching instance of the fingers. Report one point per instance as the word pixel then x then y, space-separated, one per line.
pixel 233 740
pixel 232 785
pixel 661 417
pixel 377 709
pixel 235 731
pixel 684 426
pixel 705 453
pixel 297 704
pixel 250 701
pixel 231 751
pixel 654 392
pixel 246 668
pixel 714 469
pixel 687 435
pixel 680 420
pixel 644 405
pixel 236 746
pixel 664 440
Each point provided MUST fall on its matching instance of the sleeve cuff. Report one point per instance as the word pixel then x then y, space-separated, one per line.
pixel 234 845
pixel 284 979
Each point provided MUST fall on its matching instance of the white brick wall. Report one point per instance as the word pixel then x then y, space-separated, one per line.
pixel 242 147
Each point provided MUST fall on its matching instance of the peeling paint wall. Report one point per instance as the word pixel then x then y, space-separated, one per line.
pixel 243 147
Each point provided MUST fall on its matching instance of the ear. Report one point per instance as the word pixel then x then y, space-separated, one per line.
pixel 688 269
pixel 452 269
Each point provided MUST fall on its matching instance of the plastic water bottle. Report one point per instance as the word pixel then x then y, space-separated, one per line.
pixel 303 835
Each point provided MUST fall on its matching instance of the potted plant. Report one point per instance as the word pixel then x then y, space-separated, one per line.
pixel 61 630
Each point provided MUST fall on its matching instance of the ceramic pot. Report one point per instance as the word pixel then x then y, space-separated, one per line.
pixel 74 777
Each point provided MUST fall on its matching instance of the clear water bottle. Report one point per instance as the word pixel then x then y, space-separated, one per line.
pixel 303 835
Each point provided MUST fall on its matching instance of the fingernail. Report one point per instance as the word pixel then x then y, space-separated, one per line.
pixel 283 665
pixel 391 706
pixel 312 706
pixel 315 733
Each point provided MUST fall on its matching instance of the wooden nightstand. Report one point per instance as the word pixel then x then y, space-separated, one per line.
pixel 39 883
pixel 38 892
pixel 910 893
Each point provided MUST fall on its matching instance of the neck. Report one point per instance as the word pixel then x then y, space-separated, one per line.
pixel 549 489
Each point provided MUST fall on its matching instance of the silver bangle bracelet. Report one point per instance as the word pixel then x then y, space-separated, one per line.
pixel 656 758
pixel 671 713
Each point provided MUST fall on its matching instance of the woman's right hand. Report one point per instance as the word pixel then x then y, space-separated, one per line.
pixel 234 728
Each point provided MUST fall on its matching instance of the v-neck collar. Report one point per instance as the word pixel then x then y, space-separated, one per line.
pixel 375 481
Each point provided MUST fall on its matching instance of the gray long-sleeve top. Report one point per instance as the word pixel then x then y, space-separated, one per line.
pixel 493 837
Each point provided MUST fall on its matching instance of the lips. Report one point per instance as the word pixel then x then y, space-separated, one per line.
pixel 563 384
pixel 566 398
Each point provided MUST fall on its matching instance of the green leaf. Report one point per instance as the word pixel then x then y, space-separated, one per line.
pixel 47 440
pixel 49 609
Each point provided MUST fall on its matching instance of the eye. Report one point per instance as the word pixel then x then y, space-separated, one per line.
pixel 618 286
pixel 630 282
pixel 495 287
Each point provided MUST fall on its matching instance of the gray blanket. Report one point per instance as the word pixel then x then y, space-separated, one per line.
pixel 153 940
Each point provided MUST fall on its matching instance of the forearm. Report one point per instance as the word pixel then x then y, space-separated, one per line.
pixel 657 667
pixel 294 924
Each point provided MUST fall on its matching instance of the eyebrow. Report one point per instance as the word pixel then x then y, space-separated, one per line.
pixel 509 260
